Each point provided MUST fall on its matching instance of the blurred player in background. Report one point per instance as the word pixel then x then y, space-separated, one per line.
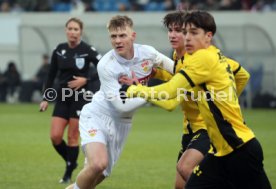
pixel 72 62
pixel 195 141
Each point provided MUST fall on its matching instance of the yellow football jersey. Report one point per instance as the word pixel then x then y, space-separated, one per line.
pixel 208 76
pixel 192 120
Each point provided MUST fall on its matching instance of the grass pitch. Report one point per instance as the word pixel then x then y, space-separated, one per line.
pixel 28 161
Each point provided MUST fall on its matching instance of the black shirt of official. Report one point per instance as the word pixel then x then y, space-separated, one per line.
pixel 68 62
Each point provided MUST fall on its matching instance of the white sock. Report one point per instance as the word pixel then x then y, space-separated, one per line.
pixel 76 186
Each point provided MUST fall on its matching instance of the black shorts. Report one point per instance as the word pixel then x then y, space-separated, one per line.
pixel 242 169
pixel 198 140
pixel 70 107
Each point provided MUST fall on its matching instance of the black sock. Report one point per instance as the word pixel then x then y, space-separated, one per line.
pixel 72 156
pixel 62 150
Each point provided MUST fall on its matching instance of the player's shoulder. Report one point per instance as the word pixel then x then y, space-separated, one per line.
pixel 145 48
pixel 107 61
pixel 87 46
pixel 61 46
pixel 206 55
pixel 203 52
pixel 145 51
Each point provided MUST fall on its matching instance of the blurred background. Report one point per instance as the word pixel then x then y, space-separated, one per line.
pixel 30 30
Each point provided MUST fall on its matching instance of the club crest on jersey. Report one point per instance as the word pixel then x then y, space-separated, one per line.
pixel 145 66
pixel 80 63
pixel 92 132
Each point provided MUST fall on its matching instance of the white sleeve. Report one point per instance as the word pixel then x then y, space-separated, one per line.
pixel 164 62
pixel 129 105
pixel 110 87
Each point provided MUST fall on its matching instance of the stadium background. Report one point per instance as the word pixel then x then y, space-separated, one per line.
pixel 245 35
pixel 248 37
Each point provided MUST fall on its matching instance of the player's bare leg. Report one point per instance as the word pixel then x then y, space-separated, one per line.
pixel 189 159
pixel 179 181
pixel 97 161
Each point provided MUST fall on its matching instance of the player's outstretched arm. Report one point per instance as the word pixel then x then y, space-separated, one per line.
pixel 161 74
pixel 168 105
pixel 168 90
pixel 127 105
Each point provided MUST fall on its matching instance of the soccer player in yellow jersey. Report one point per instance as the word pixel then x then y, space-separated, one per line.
pixel 195 141
pixel 207 76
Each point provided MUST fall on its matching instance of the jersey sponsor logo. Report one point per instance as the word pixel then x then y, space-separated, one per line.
pixel 145 66
pixel 92 132
pixel 80 63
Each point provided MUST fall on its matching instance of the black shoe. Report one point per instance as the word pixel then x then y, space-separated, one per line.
pixel 65 180
pixel 68 173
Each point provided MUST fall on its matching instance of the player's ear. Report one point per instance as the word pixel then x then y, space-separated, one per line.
pixel 209 36
pixel 133 35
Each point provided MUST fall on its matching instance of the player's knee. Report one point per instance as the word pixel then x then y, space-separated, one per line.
pixel 56 138
pixel 179 185
pixel 97 166
pixel 73 139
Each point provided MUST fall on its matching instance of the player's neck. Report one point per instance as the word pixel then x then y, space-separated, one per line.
pixel 179 53
pixel 129 55
pixel 73 44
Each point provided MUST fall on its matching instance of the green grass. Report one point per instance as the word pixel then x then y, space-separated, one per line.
pixel 28 161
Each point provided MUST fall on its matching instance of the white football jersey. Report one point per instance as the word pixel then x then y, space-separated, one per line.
pixel 112 66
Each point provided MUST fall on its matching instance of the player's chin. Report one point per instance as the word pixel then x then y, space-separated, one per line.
pixel 121 52
pixel 189 50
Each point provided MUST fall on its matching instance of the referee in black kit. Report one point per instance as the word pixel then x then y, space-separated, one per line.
pixel 71 63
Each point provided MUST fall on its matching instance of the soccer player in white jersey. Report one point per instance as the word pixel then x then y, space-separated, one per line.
pixel 106 121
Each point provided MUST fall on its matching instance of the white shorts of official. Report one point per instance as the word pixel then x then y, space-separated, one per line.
pixel 107 130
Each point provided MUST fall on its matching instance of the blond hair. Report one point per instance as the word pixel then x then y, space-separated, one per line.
pixel 119 22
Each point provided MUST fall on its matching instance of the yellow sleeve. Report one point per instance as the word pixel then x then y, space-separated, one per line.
pixel 168 105
pixel 241 75
pixel 168 90
pixel 162 74
pixel 241 79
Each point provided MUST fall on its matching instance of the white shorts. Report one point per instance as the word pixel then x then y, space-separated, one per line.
pixel 107 130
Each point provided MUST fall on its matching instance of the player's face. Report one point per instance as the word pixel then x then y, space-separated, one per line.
pixel 73 32
pixel 196 38
pixel 176 36
pixel 122 40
